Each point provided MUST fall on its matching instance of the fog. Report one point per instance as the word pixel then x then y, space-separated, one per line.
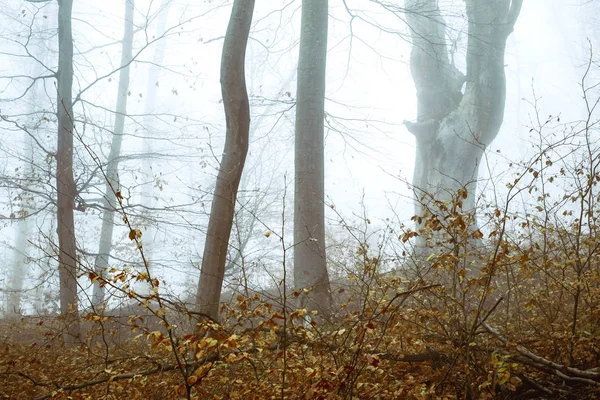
pixel 175 126
pixel 341 199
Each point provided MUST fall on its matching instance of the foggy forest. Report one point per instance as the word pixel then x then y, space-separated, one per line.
pixel 300 199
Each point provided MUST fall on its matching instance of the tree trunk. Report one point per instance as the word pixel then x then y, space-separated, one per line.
pixel 20 262
pixel 452 128
pixel 237 116
pixel 17 277
pixel 112 165
pixel 65 184
pixel 310 263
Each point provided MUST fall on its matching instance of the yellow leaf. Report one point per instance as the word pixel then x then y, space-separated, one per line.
pixel 233 358
pixel 135 234
pixel 203 369
pixel 268 233
pixel 477 234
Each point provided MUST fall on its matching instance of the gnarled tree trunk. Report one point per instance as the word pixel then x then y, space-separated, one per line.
pixel 455 124
pixel 237 116
pixel 310 263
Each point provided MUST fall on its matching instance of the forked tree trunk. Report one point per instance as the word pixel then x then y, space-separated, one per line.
pixel 237 116
pixel 452 128
pixel 310 262
pixel 112 165
pixel 65 184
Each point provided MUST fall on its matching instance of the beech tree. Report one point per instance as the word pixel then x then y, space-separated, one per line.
pixel 458 115
pixel 310 262
pixel 237 118
pixel 65 184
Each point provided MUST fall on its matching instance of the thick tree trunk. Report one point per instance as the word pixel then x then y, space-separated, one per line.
pixel 112 165
pixel 310 263
pixel 65 184
pixel 452 128
pixel 237 115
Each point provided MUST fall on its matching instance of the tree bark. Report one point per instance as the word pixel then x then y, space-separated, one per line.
pixel 237 116
pixel 65 184
pixel 112 165
pixel 454 126
pixel 310 262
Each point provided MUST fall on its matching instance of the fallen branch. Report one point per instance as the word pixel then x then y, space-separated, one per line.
pixel 552 371
pixel 562 371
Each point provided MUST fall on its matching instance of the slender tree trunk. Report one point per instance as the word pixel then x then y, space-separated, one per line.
pixel 112 183
pixel 310 262
pixel 65 184
pixel 452 128
pixel 17 277
pixel 237 115
pixel 19 265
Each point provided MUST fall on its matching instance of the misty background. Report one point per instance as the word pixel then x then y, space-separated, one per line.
pixel 175 129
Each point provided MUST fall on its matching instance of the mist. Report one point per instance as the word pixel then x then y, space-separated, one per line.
pixel 193 170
